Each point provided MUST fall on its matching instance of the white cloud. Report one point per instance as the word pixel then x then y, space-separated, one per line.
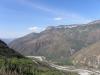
pixel 35 29
pixel 17 34
pixel 58 18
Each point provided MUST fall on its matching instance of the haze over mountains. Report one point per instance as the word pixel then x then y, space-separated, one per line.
pixel 61 43
pixel 7 40
pixel 7 52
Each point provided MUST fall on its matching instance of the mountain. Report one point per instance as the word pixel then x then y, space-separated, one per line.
pixel 7 40
pixel 2 44
pixel 95 22
pixel 13 63
pixel 58 42
pixel 89 56
pixel 5 51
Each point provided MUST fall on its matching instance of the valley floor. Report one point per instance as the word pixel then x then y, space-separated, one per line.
pixel 80 71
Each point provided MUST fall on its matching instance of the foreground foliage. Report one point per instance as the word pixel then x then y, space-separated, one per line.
pixel 24 66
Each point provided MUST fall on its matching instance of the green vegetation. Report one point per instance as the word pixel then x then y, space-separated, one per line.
pixel 65 62
pixel 13 63
pixel 23 66
pixel 19 66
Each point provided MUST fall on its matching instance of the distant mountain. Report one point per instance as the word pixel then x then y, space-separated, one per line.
pixel 2 44
pixel 7 40
pixel 5 51
pixel 58 42
pixel 95 22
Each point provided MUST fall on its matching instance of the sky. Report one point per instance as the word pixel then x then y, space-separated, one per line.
pixel 21 17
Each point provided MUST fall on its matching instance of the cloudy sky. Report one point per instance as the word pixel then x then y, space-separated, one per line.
pixel 20 17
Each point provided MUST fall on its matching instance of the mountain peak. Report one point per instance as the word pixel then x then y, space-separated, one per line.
pixel 95 22
pixel 62 26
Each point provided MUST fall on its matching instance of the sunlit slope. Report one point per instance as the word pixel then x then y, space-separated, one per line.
pixel 89 56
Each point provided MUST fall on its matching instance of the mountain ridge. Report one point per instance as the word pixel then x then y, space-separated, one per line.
pixel 7 52
pixel 58 43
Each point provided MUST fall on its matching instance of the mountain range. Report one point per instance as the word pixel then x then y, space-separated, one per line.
pixel 60 43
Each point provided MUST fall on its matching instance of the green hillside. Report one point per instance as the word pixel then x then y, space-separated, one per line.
pixel 13 63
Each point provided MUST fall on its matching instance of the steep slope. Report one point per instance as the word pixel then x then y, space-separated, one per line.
pixel 89 56
pixel 7 40
pixel 58 42
pixel 2 44
pixel 5 51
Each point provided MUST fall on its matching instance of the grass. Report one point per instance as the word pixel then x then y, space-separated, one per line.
pixel 24 66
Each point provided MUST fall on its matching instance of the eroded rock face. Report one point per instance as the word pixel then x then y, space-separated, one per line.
pixel 89 56
pixel 92 61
